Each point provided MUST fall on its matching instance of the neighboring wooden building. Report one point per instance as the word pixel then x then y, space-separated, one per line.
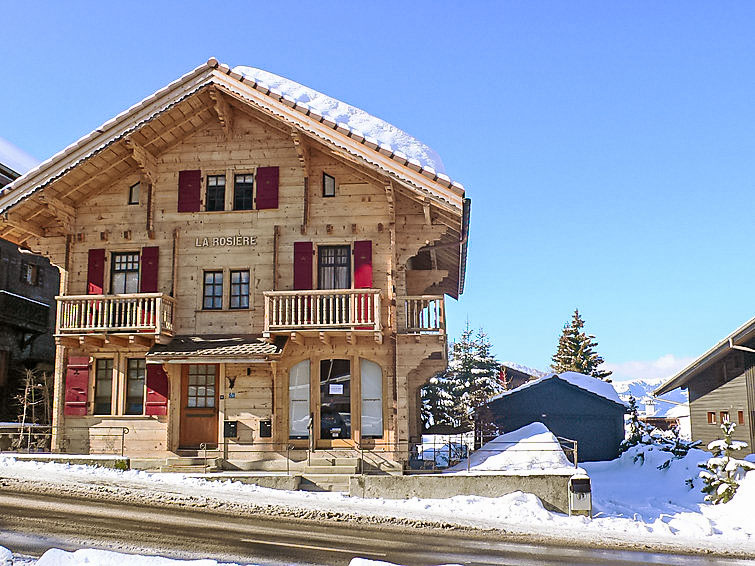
pixel 512 377
pixel 721 386
pixel 229 253
pixel 28 285
pixel 573 406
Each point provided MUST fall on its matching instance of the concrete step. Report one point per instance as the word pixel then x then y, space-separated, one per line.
pixel 188 460
pixel 331 470
pixel 189 469
pixel 333 461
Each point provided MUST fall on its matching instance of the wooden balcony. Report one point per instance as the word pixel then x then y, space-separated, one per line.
pixel 142 318
pixel 323 312
pixel 423 314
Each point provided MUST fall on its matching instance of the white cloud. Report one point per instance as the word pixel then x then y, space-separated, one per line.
pixel 661 368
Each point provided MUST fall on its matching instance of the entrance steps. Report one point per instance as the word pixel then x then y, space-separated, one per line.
pixel 329 473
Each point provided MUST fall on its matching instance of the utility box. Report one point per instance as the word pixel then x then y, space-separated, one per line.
pixel 230 429
pixel 580 495
pixel 266 429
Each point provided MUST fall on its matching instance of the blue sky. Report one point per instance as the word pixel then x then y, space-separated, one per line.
pixel 608 147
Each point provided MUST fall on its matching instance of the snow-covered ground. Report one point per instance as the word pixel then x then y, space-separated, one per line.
pixel 634 502
pixel 93 557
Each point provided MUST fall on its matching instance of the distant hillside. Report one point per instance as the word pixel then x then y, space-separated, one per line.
pixel 642 389
pixel 524 369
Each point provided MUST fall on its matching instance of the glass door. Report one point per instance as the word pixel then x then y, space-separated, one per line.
pixel 335 399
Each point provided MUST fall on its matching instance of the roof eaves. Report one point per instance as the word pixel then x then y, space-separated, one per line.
pixel 427 172
pixel 89 144
pixel 741 334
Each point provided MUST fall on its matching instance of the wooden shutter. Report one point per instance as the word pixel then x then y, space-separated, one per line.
pixel 363 264
pixel 189 190
pixel 157 390
pixel 96 272
pixel 303 252
pixel 77 386
pixel 148 279
pixel 267 187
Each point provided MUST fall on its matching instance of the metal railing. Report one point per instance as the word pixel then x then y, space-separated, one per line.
pixel 136 312
pixel 424 314
pixel 36 439
pixel 349 309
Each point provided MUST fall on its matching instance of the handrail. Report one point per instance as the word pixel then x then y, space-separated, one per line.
pixel 350 309
pixel 135 312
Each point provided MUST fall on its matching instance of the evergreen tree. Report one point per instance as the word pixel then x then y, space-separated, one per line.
pixel 721 473
pixel 576 350
pixel 470 379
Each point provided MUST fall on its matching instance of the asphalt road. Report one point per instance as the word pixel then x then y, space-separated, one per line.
pixel 30 524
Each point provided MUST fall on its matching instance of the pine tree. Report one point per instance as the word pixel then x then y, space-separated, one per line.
pixel 576 350
pixel 470 379
pixel 721 473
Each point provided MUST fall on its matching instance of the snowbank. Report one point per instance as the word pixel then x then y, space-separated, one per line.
pixel 353 118
pixel 532 447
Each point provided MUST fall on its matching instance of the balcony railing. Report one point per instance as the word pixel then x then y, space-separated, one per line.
pixel 423 314
pixel 137 312
pixel 346 309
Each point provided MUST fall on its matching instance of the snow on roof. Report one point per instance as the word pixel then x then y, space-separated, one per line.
pixel 14 158
pixel 588 383
pixel 679 411
pixel 532 447
pixel 354 119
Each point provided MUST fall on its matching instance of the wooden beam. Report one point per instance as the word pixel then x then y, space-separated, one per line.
pixel 116 340
pixel 276 245
pixel 55 205
pixel 223 110
pixel 145 161
pixel 13 220
pixel 426 210
pixel 350 338
pixel 88 340
pixel 296 338
pixel 324 338
pixel 67 341
pixel 145 340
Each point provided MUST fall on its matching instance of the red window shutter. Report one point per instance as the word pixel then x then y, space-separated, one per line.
pixel 157 390
pixel 77 386
pixel 96 272
pixel 363 264
pixel 267 187
pixel 189 190
pixel 303 252
pixel 148 280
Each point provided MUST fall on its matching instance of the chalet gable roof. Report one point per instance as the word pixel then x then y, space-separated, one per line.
pixel 733 341
pixel 392 161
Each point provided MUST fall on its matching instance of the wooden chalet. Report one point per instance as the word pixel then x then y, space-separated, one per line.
pixel 721 386
pixel 239 268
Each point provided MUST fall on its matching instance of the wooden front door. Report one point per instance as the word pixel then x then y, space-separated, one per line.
pixel 199 405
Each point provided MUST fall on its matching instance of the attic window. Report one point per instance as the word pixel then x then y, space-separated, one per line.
pixel 328 185
pixel 215 192
pixel 133 194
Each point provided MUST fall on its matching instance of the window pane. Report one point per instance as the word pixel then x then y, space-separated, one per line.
pixel 125 273
pixel 213 290
pixel 239 289
pixel 328 185
pixel 243 190
pixel 135 387
pixel 372 399
pixel 103 387
pixel 215 192
pixel 133 194
pixel 298 393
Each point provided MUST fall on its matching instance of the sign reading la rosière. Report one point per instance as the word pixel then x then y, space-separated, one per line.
pixel 225 241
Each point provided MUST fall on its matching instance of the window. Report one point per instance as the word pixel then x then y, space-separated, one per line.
pixel 125 273
pixel 372 399
pixel 213 290
pixel 30 274
pixel 135 386
pixel 133 194
pixel 103 387
pixel 334 267
pixel 243 186
pixel 740 417
pixel 298 400
pixel 240 289
pixel 711 417
pixel 328 185
pixel 724 417
pixel 335 399
pixel 201 388
pixel 215 192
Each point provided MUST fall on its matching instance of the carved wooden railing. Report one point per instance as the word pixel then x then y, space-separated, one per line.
pixel 423 314
pixel 347 309
pixel 136 312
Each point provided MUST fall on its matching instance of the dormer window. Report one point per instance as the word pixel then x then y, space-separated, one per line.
pixel 133 194
pixel 328 185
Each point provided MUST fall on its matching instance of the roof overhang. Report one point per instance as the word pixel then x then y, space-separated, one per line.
pixel 203 349
pixel 733 341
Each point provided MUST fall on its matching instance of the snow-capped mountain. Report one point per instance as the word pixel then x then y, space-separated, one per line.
pixel 642 390
pixel 524 369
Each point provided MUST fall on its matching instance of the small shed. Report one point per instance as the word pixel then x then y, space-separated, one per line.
pixel 571 405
